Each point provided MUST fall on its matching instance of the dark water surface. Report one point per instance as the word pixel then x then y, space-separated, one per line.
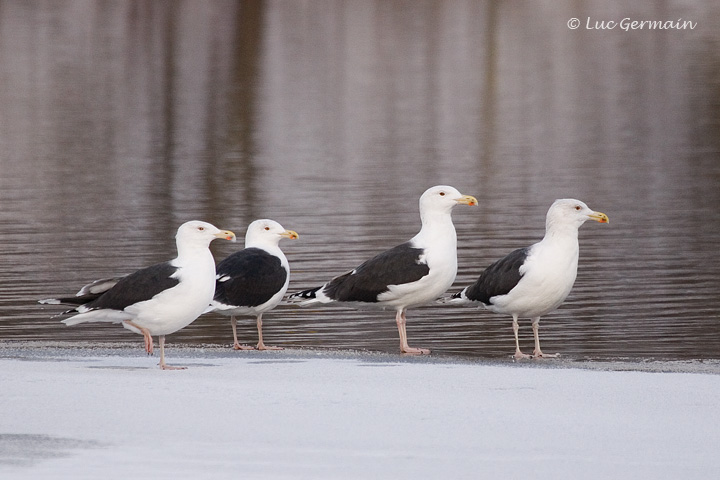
pixel 120 120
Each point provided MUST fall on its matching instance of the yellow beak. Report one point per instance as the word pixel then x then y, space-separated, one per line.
pixel 226 235
pixel 292 235
pixel 467 200
pixel 599 217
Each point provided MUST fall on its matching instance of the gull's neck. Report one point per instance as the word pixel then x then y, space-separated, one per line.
pixel 561 231
pixel 190 252
pixel 263 242
pixel 436 225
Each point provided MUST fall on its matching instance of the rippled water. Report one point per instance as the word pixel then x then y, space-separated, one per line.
pixel 121 120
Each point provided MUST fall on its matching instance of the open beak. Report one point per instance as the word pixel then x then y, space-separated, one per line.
pixel 226 235
pixel 467 200
pixel 292 235
pixel 599 217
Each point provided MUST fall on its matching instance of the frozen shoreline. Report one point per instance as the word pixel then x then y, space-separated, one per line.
pixel 109 412
pixel 177 352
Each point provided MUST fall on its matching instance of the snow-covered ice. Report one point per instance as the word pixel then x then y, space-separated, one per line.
pixel 82 413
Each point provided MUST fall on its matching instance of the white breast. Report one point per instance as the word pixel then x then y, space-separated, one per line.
pixel 549 275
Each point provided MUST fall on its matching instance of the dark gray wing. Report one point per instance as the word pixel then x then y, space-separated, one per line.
pixel 137 287
pixel 249 278
pixel 499 278
pixel 396 266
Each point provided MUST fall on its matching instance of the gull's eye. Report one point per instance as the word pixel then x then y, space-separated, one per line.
pixel 442 194
pixel 578 207
pixel 201 228
pixel 267 229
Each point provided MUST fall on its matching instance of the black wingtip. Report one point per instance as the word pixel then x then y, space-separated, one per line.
pixel 81 300
pixel 306 294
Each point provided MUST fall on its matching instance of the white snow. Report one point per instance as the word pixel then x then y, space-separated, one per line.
pixel 308 415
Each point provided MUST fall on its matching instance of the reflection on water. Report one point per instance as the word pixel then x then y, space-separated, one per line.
pixel 121 120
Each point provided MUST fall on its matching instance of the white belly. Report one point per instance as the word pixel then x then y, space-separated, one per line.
pixel 175 308
pixel 546 283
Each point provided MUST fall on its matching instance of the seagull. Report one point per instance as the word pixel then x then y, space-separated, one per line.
pixel 253 280
pixel 413 273
pixel 157 300
pixel 533 281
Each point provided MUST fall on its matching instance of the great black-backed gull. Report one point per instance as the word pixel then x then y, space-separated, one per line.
pixel 253 280
pixel 413 273
pixel 533 281
pixel 157 300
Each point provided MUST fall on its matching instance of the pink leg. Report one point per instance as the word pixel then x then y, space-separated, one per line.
pixel 538 353
pixel 236 344
pixel 404 347
pixel 261 345
pixel 518 354
pixel 163 365
pixel 146 336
